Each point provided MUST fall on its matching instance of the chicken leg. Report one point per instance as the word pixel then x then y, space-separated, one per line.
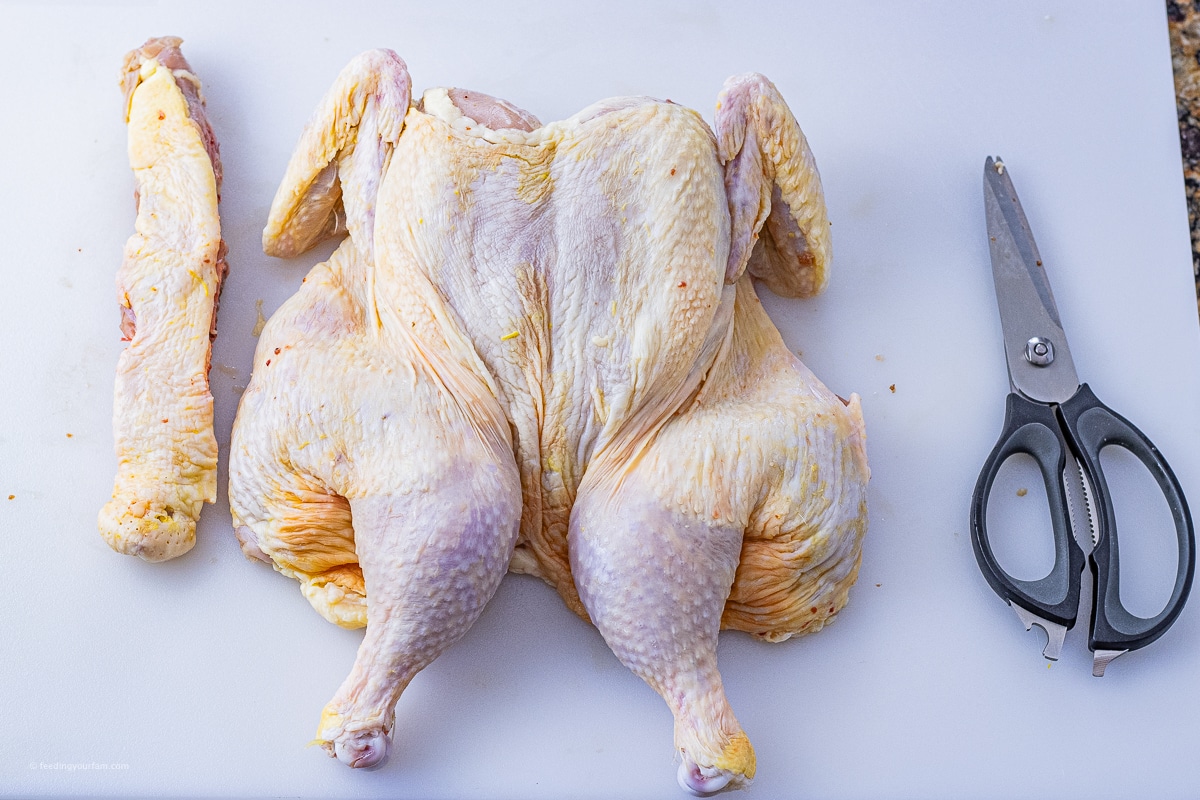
pixel 654 581
pixel 747 511
pixel 430 564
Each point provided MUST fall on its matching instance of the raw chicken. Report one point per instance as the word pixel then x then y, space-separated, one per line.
pixel 167 288
pixel 540 349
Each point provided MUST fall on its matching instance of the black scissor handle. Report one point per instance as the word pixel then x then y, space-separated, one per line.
pixel 1033 429
pixel 1093 426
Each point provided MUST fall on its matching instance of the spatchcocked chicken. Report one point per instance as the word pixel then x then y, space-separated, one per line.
pixel 167 289
pixel 540 349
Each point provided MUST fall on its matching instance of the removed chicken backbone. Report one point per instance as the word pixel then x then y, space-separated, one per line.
pixel 167 289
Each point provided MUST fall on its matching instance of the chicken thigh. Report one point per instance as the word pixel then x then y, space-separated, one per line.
pixel 539 349
pixel 167 288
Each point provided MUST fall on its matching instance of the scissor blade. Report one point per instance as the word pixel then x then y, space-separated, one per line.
pixel 1039 359
pixel 1080 508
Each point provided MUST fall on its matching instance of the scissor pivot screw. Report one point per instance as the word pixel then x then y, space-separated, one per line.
pixel 1039 351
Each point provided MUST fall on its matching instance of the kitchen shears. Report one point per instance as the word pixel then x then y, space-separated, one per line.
pixel 1060 423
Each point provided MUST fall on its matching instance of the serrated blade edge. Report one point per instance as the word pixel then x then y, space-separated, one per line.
pixel 1080 508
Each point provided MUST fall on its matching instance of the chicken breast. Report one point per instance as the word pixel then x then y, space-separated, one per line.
pixel 540 349
pixel 167 289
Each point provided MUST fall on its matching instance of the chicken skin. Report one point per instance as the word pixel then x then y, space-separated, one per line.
pixel 167 289
pixel 539 349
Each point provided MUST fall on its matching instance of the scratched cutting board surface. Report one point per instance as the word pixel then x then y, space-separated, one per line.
pixel 205 676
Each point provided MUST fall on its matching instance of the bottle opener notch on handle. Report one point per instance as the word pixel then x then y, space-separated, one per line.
pixel 1055 634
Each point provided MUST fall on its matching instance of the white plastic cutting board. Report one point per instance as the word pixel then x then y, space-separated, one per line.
pixel 205 676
